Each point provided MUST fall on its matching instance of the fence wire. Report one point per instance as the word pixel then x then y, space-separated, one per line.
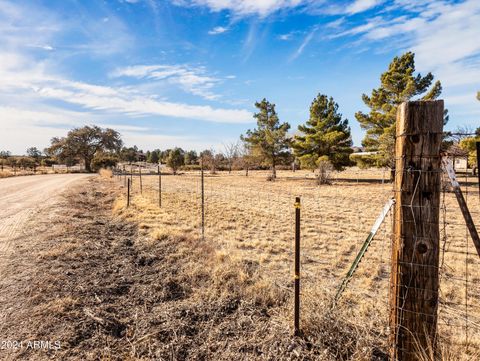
pixel 253 219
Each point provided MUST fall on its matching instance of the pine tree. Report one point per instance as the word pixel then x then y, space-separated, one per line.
pixel 398 84
pixel 325 136
pixel 269 139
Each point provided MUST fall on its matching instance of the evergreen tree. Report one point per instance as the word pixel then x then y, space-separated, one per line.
pixel 175 159
pixel 269 139
pixel 325 136
pixel 191 157
pixel 398 84
pixel 153 157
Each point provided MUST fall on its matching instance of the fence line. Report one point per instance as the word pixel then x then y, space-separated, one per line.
pixel 254 219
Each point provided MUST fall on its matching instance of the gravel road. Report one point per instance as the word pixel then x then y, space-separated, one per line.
pixel 23 197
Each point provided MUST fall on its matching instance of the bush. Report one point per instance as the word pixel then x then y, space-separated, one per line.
pixel 325 168
pixel 103 160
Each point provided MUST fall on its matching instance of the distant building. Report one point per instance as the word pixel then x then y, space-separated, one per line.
pixel 141 157
pixel 458 156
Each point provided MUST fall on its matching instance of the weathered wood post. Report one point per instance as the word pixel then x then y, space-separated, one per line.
pixel 415 249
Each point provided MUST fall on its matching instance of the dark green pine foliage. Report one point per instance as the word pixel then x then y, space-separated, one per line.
pixel 398 84
pixel 269 141
pixel 325 136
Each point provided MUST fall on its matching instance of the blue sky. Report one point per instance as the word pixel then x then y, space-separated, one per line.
pixel 187 72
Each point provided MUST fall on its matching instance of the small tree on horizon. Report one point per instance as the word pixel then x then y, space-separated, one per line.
pixel 270 138
pixel 208 160
pixel 175 159
pixel 4 155
pixel 191 157
pixel 230 153
pixel 153 157
pixel 397 85
pixel 325 138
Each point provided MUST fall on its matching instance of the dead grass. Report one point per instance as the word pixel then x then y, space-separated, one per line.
pixel 252 220
pixel 106 292
pixel 105 173
pixel 141 284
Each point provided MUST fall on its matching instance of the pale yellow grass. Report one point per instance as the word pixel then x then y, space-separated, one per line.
pixel 252 219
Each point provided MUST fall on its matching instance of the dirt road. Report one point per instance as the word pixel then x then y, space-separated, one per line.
pixel 22 197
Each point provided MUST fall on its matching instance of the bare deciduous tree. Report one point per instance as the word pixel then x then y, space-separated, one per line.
pixel 230 153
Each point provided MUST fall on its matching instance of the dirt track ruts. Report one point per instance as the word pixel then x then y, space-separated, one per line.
pixel 23 197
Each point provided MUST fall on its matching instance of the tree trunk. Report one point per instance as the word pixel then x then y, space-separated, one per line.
pixel 87 161
pixel 246 172
pixel 274 170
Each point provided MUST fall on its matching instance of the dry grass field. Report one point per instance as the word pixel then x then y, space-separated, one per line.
pixel 252 220
pixel 7 171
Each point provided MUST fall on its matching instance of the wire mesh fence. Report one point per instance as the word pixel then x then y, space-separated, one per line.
pixel 252 218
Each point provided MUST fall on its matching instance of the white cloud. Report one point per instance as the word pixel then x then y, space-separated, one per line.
pixel 218 30
pixel 304 43
pixel 359 6
pixel 444 37
pixel 25 128
pixel 194 80
pixel 285 37
pixel 30 84
pixel 245 7
pixel 131 103
pixel 123 100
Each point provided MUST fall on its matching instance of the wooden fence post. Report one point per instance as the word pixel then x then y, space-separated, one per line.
pixel 415 249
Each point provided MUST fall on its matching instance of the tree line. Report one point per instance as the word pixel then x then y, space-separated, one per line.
pixel 322 143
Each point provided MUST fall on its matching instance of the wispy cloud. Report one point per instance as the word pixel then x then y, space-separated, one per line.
pixel 444 36
pixel 194 80
pixel 106 99
pixel 218 30
pixel 359 6
pixel 285 37
pixel 244 7
pixel 306 40
pixel 35 93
